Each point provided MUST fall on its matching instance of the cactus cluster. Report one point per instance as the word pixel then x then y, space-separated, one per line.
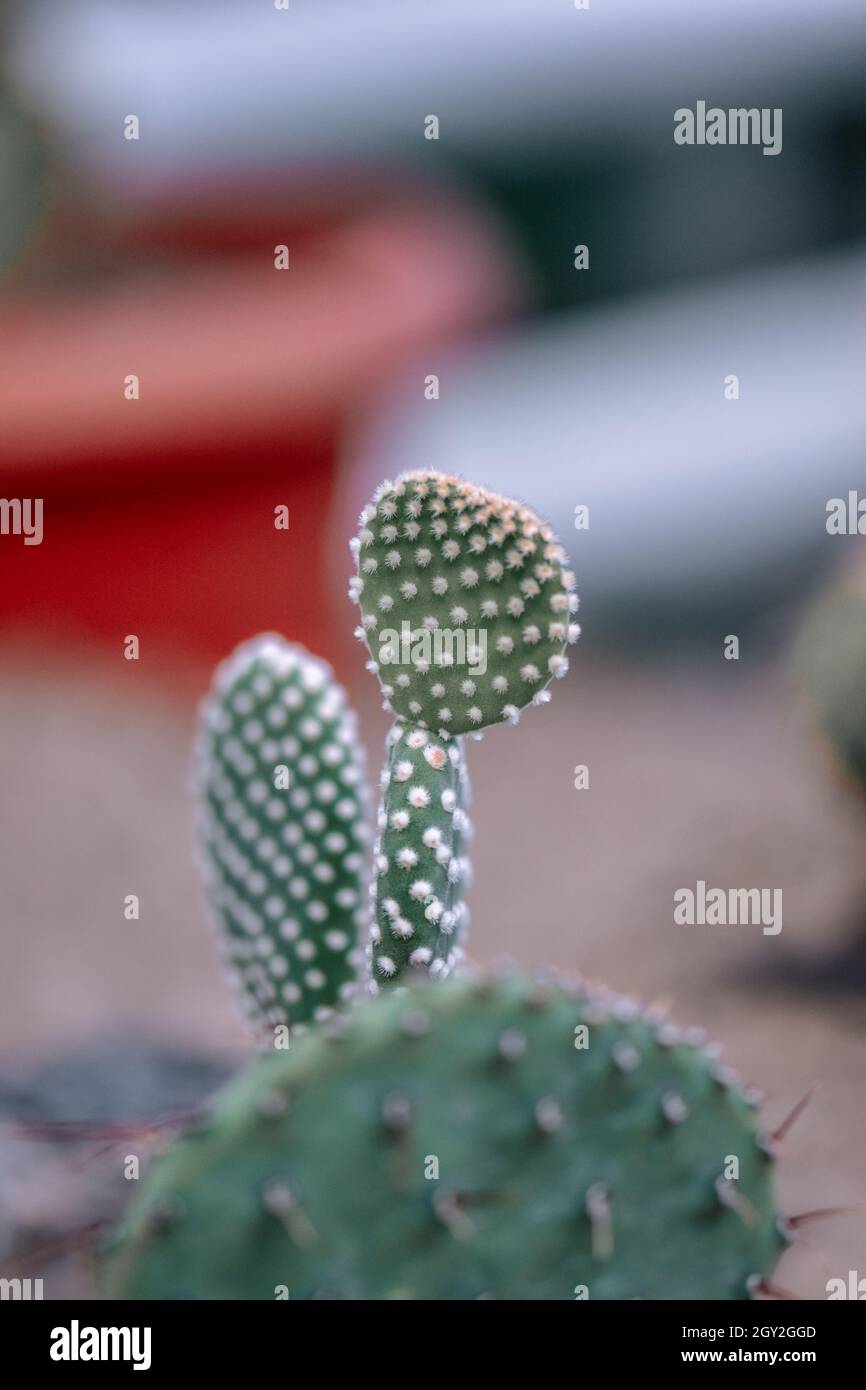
pixel 280 788
pixel 466 1140
pixel 463 1138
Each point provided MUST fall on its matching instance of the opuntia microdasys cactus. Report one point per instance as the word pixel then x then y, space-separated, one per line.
pixel 420 869
pixel 513 1139
pixel 439 555
pixel 279 775
pixel 504 1139
pixel 467 607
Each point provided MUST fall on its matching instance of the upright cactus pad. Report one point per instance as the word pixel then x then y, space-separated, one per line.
pixel 466 602
pixel 279 775
pixel 420 871
pixel 466 1141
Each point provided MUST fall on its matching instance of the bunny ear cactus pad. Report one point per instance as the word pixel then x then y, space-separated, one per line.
pixel 465 1140
pixel 420 871
pixel 466 602
pixel 279 777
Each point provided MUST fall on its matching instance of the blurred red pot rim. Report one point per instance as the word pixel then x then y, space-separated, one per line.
pixel 205 213
pixel 233 348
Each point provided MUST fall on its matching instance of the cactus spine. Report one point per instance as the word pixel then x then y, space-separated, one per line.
pixel 279 779
pixel 466 595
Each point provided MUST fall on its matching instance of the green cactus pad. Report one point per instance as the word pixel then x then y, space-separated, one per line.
pixel 831 663
pixel 420 871
pixel 458 1141
pixel 466 602
pixel 279 777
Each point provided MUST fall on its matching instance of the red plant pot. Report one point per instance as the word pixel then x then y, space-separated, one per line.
pixel 159 512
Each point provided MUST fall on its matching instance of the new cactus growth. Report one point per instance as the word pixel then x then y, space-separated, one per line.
pixel 467 1140
pixel 467 608
pixel 466 602
pixel 279 777
pixel 420 869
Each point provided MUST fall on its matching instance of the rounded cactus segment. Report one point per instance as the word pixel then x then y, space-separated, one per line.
pixel 466 602
pixel 420 870
pixel 461 1141
pixel 279 778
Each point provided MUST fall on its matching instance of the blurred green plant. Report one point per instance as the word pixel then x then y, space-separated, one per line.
pixel 830 664
pixel 24 179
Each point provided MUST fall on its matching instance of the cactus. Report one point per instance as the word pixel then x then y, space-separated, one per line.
pixel 438 555
pixel 466 1140
pixel 469 1139
pixel 279 778
pixel 420 870
pixel 467 596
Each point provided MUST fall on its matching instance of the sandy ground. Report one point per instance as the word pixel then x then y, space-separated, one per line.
pixel 695 772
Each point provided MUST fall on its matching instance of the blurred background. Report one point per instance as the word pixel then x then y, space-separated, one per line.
pixel 430 172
